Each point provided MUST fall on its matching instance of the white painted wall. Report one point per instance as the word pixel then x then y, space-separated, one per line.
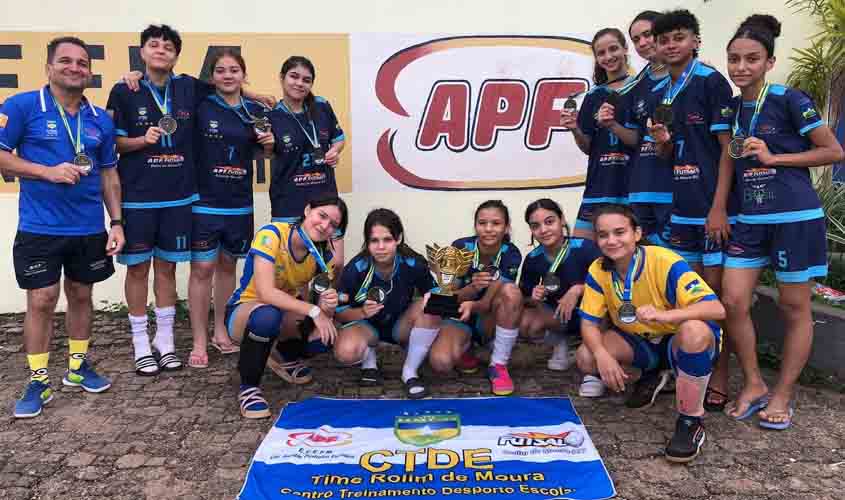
pixel 428 216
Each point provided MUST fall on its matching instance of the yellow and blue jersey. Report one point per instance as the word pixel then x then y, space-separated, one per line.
pixel 273 243
pixel 778 195
pixel 663 279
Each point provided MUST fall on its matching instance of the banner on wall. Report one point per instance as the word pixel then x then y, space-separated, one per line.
pixel 495 448
pixel 473 112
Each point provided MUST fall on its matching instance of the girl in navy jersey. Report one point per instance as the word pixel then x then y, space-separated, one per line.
pixel 650 179
pixel 378 285
pixel 228 130
pixel 491 303
pixel 552 283
pixel 309 140
pixel 777 135
pixel 598 130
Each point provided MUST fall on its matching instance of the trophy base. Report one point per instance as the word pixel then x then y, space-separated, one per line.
pixel 445 306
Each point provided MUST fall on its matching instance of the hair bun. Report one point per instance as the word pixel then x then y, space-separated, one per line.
pixel 765 21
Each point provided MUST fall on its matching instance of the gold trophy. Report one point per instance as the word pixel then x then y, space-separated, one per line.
pixel 447 264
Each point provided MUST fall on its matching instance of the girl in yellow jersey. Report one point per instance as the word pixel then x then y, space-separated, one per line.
pixel 660 310
pixel 283 259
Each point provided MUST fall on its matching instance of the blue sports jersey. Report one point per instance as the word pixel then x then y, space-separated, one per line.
pixel 776 195
pixel 571 271
pixel 650 176
pixel 701 110
pixel 509 258
pixel 31 124
pixel 162 174
pixel 296 178
pixel 410 273
pixel 608 161
pixel 226 142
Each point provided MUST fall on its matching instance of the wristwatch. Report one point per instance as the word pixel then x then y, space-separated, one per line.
pixel 314 312
pixel 116 222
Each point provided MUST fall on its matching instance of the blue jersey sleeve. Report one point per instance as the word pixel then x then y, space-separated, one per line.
pixel 119 110
pixel 108 149
pixel 509 266
pixel 350 282
pixel 12 123
pixel 803 113
pixel 423 280
pixel 337 134
pixel 202 89
pixel 719 99
pixel 587 114
pixel 529 278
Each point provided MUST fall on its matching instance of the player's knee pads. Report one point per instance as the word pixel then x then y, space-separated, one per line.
pixel 265 323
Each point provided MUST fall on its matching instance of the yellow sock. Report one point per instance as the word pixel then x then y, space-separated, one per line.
pixel 78 350
pixel 38 366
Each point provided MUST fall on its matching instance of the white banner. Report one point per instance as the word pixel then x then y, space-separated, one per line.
pixel 467 112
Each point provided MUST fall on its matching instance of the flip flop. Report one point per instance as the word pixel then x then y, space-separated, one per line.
pixel 224 349
pixel 755 406
pixel 778 426
pixel 197 360
pixel 715 407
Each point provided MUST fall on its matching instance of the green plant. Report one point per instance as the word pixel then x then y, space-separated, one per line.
pixel 121 309
pixel 820 69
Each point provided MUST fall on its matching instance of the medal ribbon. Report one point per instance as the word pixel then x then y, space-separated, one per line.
pixel 674 90
pixel 361 296
pixel 252 117
pixel 235 109
pixel 477 256
pixel 758 108
pixel 315 143
pixel 77 144
pixel 561 255
pixel 162 104
pixel 632 82
pixel 312 249
pixel 624 291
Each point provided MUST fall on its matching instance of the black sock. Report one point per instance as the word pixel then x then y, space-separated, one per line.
pixel 689 419
pixel 252 359
pixel 291 349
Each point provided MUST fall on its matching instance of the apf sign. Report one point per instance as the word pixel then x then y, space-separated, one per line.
pixel 466 112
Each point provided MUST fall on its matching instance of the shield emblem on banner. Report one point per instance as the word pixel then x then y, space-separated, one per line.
pixel 428 428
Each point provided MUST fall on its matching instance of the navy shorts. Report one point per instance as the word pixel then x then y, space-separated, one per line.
pixel 797 251
pixel 161 232
pixel 40 258
pixel 657 353
pixel 691 242
pixel 384 333
pixel 654 220
pixel 211 233
pixel 586 212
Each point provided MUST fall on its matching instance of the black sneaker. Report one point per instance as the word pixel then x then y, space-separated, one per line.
pixel 687 441
pixel 646 389
pixel 370 377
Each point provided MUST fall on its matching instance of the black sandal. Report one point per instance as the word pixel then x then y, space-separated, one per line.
pixel 371 377
pixel 714 407
pixel 169 362
pixel 146 362
pixel 415 389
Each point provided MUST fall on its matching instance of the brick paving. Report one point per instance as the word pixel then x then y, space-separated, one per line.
pixel 181 436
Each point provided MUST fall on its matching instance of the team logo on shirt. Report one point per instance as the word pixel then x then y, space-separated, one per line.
pixel 286 139
pixel 758 174
pixel 213 124
pixel 726 112
pixel 142 112
pixel 52 128
pixel 640 109
pixel 4 119
pixel 809 113
pixel 695 119
pixel 686 172
pixel 766 129
pixel 183 114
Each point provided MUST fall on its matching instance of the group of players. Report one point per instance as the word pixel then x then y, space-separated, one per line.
pixel 688 187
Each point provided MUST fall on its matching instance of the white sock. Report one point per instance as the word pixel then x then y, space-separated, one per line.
pixel 418 345
pixel 503 345
pixel 370 361
pixel 163 340
pixel 140 338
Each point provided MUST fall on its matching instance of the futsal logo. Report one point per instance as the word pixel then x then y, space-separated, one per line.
pixel 321 438
pixel 572 439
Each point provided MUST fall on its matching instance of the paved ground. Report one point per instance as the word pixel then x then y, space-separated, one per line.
pixel 180 436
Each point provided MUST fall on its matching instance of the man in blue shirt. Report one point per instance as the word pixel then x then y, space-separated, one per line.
pixel 65 161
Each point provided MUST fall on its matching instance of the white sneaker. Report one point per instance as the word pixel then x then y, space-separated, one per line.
pixel 560 360
pixel 591 387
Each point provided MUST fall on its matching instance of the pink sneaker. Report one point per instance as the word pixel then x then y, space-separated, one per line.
pixel 500 380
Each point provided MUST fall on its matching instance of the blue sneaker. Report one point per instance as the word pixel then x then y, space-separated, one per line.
pixel 36 395
pixel 86 378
